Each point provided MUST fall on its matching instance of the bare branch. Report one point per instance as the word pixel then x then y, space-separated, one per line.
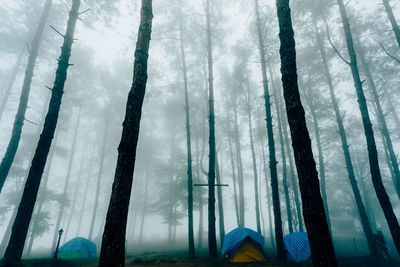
pixel 80 13
pixel 390 55
pixel 54 29
pixel 333 46
pixel 31 122
pixel 51 89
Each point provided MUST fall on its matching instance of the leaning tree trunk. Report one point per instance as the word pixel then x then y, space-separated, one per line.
pixel 382 121
pixel 212 240
pixel 21 224
pixel 67 180
pixel 393 21
pixel 254 161
pixel 188 139
pixel 113 245
pixel 10 84
pixel 345 147
pixel 321 164
pixel 23 101
pixel 101 166
pixel 271 142
pixel 369 134
pixel 322 250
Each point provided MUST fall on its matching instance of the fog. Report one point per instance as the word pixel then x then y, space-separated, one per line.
pixel 77 181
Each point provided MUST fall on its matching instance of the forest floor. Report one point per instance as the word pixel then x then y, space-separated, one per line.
pixel 162 261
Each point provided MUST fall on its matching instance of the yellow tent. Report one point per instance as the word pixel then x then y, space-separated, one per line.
pixel 248 251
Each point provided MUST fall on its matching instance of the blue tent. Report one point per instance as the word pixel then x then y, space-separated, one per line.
pixel 297 247
pixel 77 247
pixel 234 239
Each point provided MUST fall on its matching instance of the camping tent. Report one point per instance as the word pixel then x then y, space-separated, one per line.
pixel 77 247
pixel 243 245
pixel 297 247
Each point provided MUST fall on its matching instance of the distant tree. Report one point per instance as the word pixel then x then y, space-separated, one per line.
pixel 369 133
pixel 322 251
pixel 21 224
pixel 23 103
pixel 271 141
pixel 392 20
pixel 113 244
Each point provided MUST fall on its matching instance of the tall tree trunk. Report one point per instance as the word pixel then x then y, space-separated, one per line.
pixel 212 240
pixel 235 197
pixel 321 164
pixel 254 160
pixel 393 21
pixel 23 101
pixel 10 84
pixel 113 245
pixel 382 121
pixel 289 155
pixel 369 134
pixel 67 180
pixel 101 166
pixel 188 139
pixel 322 250
pixel 21 224
pixel 284 166
pixel 220 202
pixel 239 168
pixel 200 196
pixel 271 142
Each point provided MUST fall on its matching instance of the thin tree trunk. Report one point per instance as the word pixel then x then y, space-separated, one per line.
pixel 322 251
pixel 67 179
pixel 212 240
pixel 20 228
pixel 113 245
pixel 200 230
pixel 393 21
pixel 284 166
pixel 254 160
pixel 101 166
pixel 23 101
pixel 382 122
pixel 271 143
pixel 233 176
pixel 10 84
pixel 220 202
pixel 188 139
pixel 369 135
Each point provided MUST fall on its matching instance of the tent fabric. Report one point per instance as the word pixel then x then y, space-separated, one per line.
pixel 297 247
pixel 77 247
pixel 248 251
pixel 236 237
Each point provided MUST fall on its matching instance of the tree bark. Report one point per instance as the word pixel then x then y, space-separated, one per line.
pixel 369 134
pixel 21 224
pixel 113 245
pixel 212 240
pixel 322 251
pixel 12 147
pixel 10 84
pixel 393 21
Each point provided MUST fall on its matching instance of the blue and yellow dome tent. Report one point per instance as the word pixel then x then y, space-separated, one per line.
pixel 297 247
pixel 243 245
pixel 77 247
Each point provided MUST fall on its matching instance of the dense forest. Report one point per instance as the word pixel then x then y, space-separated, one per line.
pixel 194 130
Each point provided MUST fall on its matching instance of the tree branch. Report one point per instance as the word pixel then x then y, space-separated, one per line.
pixel 54 29
pixel 387 53
pixel 333 46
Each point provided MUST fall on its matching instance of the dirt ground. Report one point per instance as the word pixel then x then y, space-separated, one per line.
pixel 205 262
